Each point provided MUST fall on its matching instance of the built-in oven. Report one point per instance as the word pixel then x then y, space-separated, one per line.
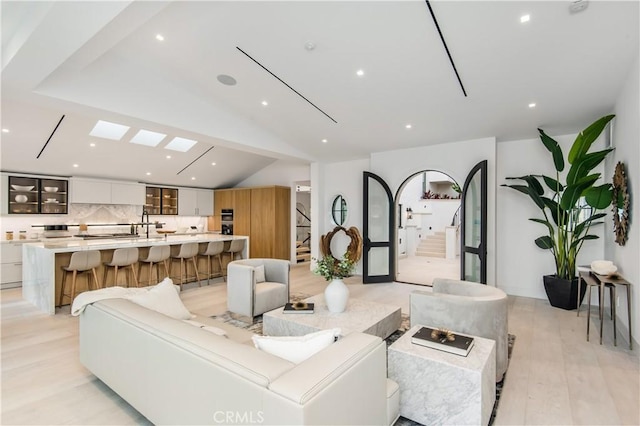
pixel 226 221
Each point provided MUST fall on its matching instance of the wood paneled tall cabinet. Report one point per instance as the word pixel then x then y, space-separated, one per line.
pixel 262 213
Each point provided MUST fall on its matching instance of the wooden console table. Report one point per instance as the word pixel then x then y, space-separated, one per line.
pixel 602 283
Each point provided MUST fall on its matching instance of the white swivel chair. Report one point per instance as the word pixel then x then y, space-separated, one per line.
pixel 248 295
pixel 466 307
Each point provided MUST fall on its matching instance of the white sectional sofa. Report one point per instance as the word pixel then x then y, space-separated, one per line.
pixel 175 373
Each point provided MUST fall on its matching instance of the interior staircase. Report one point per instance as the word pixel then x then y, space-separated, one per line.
pixel 432 246
pixel 303 252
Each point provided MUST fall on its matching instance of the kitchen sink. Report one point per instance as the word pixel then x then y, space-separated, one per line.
pixel 107 236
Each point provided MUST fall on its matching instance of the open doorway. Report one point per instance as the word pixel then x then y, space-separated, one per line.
pixel 427 228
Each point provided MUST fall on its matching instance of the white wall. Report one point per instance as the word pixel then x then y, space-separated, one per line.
pixel 521 264
pixel 456 160
pixel 344 178
pixel 626 137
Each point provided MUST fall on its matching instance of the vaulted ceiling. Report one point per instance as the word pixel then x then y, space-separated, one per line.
pixel 90 61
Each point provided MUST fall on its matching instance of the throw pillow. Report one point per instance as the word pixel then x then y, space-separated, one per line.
pixel 259 273
pixel 296 348
pixel 163 298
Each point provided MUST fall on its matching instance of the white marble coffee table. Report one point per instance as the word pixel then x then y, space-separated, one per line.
pixel 360 315
pixel 439 388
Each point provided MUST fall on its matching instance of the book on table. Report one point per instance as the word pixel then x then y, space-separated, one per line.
pixel 298 308
pixel 456 343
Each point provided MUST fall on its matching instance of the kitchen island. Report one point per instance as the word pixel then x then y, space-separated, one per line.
pixel 42 262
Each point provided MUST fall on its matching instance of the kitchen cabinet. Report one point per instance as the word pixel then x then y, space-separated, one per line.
pixel 11 265
pixel 161 201
pixel 262 213
pixel 97 191
pixel 270 222
pixel 30 195
pixel 195 202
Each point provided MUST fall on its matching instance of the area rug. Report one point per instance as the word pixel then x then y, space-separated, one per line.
pixel 256 327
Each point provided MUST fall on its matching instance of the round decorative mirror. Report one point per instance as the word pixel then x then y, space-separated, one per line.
pixel 620 204
pixel 339 210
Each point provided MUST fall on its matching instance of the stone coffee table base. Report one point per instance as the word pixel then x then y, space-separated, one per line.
pixel 437 387
pixel 360 315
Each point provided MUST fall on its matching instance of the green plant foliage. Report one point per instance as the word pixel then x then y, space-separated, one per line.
pixel 566 229
pixel 330 268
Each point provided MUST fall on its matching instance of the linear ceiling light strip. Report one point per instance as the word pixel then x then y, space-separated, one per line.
pixel 50 136
pixel 282 81
pixel 444 43
pixel 199 157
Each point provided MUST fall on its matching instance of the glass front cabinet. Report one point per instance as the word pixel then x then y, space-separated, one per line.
pixel 28 195
pixel 161 201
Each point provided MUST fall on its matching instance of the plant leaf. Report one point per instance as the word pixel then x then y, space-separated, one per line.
pixel 585 164
pixel 599 197
pixel 553 184
pixel 531 192
pixel 579 228
pixel 554 148
pixel 586 237
pixel 572 193
pixel 544 242
pixel 585 138
pixel 546 223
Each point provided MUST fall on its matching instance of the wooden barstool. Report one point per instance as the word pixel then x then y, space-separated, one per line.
pixel 81 262
pixel 187 251
pixel 214 249
pixel 122 258
pixel 236 246
pixel 157 255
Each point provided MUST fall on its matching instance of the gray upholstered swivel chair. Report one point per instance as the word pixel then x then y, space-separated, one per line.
pixel 247 295
pixel 465 307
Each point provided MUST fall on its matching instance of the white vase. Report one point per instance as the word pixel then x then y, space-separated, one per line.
pixel 336 296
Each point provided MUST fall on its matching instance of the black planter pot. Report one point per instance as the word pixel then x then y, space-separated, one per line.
pixel 563 293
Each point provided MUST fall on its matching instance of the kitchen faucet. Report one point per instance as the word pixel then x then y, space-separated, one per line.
pixel 145 212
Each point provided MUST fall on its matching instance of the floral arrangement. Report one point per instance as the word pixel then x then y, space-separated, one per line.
pixel 330 268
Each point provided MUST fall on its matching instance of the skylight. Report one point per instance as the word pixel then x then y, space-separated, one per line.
pixel 107 130
pixel 181 144
pixel 148 138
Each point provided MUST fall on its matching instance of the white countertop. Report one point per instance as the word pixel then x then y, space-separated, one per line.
pixel 76 244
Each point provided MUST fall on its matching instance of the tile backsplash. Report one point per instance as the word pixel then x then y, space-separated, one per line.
pixel 95 214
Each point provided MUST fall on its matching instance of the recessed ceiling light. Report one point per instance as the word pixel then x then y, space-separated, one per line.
pixel 75 165
pixel 264 103
pixel 148 173
pixel 107 130
pixel 360 73
pixel 408 126
pixel 168 157
pixel 180 144
pixel 309 46
pixel 147 137
pixel 532 105
pixel 193 178
pixel 5 130
pixel 92 144
pixel 227 80
pixel 213 164
pixel 525 18
pixel 159 37
pixel 324 141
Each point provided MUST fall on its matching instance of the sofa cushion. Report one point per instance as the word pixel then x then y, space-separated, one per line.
pixel 164 299
pixel 296 348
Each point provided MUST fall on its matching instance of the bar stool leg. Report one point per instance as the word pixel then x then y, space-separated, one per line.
pixel 601 308
pixel 166 271
pixel 73 285
pixel 224 278
pixel 195 269
pixel 95 277
pixel 61 294
pixel 135 276
pixel 588 311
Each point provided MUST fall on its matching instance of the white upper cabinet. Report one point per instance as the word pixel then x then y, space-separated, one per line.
pixel 96 191
pixel 195 202
pixel 127 193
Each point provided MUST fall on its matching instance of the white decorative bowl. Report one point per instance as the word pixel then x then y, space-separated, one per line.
pixel 21 198
pixel 603 267
pixel 50 189
pixel 22 187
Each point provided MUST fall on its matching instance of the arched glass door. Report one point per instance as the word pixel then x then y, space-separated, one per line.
pixel 473 250
pixel 378 222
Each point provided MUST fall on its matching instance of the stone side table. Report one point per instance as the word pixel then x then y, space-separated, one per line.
pixel 441 388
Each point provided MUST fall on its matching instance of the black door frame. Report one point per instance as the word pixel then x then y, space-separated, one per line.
pixel 481 250
pixel 367 243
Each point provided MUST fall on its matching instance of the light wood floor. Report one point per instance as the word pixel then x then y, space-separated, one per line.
pixel 555 376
